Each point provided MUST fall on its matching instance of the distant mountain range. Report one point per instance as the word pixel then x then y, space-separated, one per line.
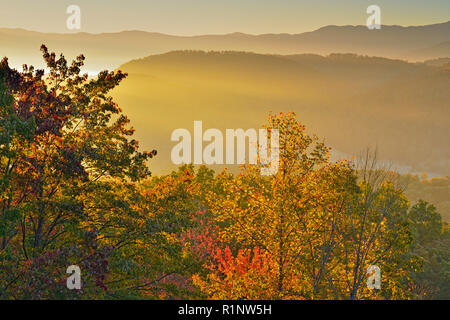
pixel 109 50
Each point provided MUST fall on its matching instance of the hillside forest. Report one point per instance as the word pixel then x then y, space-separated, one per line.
pixel 76 188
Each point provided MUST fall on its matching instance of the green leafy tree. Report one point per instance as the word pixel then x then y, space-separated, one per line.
pixel 432 245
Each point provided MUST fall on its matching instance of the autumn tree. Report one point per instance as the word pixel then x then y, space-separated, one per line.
pixel 307 232
pixel 286 218
pixel 69 192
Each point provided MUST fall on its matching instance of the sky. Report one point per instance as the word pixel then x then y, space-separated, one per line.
pixel 193 17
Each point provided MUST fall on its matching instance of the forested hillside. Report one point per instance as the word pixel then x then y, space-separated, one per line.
pixel 351 101
pixel 76 188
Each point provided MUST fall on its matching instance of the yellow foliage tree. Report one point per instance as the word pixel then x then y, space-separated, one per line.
pixel 303 220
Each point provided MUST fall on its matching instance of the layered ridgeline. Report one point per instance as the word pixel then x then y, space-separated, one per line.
pixel 353 102
pixel 109 50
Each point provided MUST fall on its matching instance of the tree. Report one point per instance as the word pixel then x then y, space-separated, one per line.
pixel 68 192
pixel 374 231
pixel 286 218
pixel 431 243
pixel 316 226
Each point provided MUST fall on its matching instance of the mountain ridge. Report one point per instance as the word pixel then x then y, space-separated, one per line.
pixel 109 50
pixel 445 23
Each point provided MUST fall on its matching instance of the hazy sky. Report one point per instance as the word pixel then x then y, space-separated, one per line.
pixel 192 17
